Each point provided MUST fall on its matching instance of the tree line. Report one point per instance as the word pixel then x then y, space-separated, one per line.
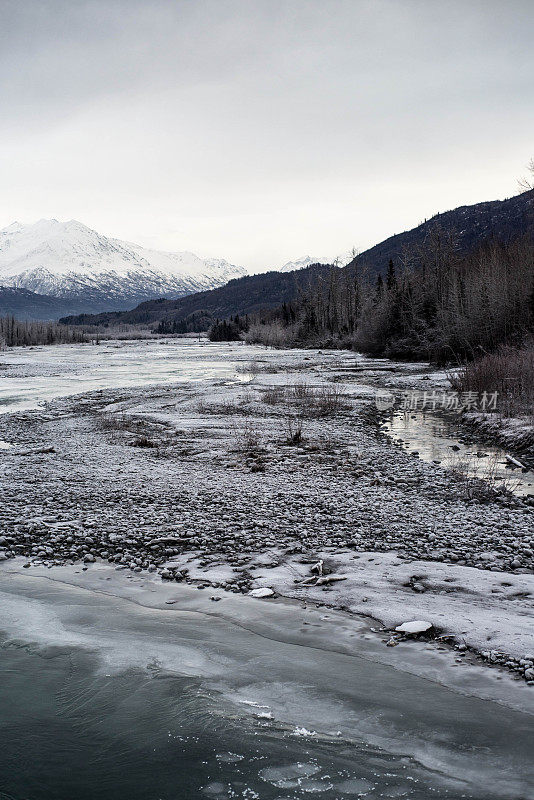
pixel 229 330
pixel 14 332
pixel 435 304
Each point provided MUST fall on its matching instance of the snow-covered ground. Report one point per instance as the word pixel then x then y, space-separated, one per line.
pixel 197 480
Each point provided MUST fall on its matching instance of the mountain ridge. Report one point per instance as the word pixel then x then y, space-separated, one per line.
pixel 27 305
pixel 250 294
pixel 71 261
pixel 500 220
pixel 472 224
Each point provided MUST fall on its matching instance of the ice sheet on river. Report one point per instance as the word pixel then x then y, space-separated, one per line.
pixel 284 670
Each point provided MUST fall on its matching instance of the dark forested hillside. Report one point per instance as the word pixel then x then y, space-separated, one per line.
pixel 24 304
pixel 240 296
pixel 465 229
pixel 435 304
pixel 498 220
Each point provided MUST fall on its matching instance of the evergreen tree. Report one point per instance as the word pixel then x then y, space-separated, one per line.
pixel 379 289
pixel 391 278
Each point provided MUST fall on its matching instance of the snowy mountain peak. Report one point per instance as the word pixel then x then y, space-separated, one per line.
pixel 70 260
pixel 306 261
pixel 302 262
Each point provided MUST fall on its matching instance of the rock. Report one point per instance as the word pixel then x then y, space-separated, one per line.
pixel 89 558
pixel 418 587
pixel 416 626
pixel 529 674
pixel 263 592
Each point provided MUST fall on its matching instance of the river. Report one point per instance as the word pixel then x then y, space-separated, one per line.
pixel 116 685
pixel 113 686
pixel 31 377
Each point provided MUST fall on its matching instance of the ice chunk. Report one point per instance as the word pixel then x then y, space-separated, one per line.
pixel 263 592
pixel 416 626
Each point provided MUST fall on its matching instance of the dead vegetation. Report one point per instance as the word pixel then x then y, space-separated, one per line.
pixel 143 441
pixel 224 409
pixel 482 484
pixel 274 395
pixel 254 368
pixel 311 402
pixel 509 372
pixel 248 437
pixel 117 424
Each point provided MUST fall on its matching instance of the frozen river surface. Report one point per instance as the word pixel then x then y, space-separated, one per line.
pixel 32 376
pixel 122 687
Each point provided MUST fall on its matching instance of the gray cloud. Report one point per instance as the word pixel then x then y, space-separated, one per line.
pixel 261 129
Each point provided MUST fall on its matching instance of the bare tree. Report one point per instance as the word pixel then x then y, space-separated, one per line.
pixel 526 183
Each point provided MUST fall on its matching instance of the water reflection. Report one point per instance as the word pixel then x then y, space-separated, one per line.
pixel 439 438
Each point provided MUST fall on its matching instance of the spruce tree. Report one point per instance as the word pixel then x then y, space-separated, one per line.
pixel 391 279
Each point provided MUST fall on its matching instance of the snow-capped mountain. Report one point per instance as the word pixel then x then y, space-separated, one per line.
pixel 71 261
pixel 301 263
pixel 306 261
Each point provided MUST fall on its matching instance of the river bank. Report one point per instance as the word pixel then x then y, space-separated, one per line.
pixel 203 482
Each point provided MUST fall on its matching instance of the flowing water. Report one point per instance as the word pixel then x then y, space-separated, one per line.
pixel 439 438
pixel 110 690
pixel 104 696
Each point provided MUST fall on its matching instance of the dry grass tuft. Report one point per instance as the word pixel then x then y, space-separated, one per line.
pixel 322 401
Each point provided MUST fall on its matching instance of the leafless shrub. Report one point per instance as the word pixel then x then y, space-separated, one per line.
pixel 320 401
pixel 272 335
pixel 330 400
pixel 295 429
pixel 143 441
pixel 509 372
pixel 249 438
pixel 482 481
pixel 274 395
pixel 118 422
pixel 249 368
pixel 256 367
pixel 300 392
pixel 224 409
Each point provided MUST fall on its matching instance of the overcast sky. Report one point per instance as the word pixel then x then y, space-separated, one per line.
pixel 261 130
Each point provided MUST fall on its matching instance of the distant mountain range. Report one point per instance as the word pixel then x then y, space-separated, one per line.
pixel 239 296
pixel 26 305
pixel 90 272
pixel 499 220
pixel 302 263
